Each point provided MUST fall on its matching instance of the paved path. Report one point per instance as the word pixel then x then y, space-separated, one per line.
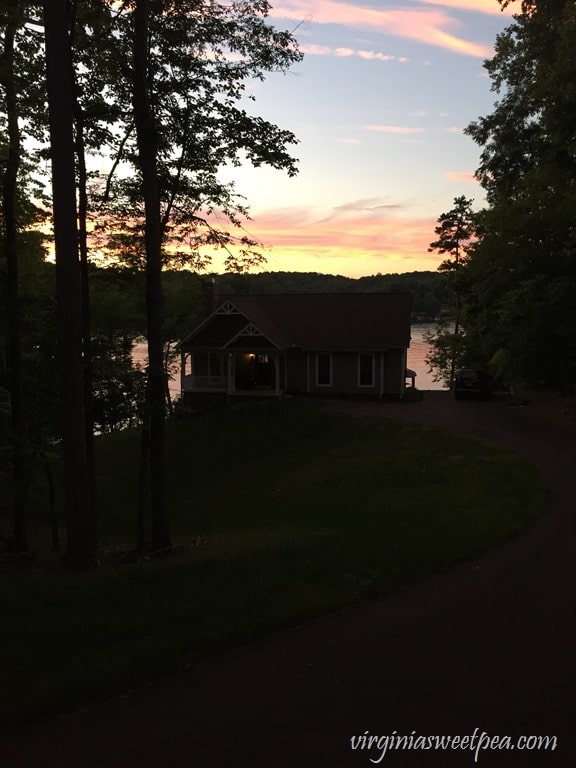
pixel 490 644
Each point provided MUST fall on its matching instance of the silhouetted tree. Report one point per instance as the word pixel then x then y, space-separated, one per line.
pixel 521 312
pixel 456 234
pixel 147 136
pixel 59 79
pixel 13 20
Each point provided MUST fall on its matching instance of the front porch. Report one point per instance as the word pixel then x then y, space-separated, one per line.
pixel 231 373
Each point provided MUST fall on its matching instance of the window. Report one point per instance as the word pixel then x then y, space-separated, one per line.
pixel 366 370
pixel 324 370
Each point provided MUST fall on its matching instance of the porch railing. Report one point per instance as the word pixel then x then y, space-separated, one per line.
pixel 192 382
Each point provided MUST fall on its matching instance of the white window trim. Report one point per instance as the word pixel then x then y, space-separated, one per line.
pixel 329 355
pixel 359 369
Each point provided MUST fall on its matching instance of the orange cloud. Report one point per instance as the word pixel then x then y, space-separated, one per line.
pixel 466 177
pixel 357 239
pixel 426 25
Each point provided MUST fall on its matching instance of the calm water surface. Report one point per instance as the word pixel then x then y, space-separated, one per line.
pixel 417 358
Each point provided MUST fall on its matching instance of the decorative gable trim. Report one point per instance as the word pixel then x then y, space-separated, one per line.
pixel 227 309
pixel 251 331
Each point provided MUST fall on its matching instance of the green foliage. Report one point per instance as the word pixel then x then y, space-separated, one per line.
pixel 119 388
pixel 448 352
pixel 203 58
pixel 30 105
pixel 456 233
pixel 38 337
pixel 519 313
pixel 457 236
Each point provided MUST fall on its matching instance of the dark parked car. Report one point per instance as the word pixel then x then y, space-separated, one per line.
pixel 472 382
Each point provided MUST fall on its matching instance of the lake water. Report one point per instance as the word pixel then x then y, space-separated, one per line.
pixel 416 361
pixel 417 358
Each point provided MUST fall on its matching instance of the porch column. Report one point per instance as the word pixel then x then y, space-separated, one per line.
pixel 277 374
pixel 381 374
pixel 182 370
pixel 403 363
pixel 230 374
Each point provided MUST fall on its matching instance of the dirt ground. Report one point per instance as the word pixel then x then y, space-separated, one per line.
pixel 558 409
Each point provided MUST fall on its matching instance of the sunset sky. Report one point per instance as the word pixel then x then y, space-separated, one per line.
pixel 378 104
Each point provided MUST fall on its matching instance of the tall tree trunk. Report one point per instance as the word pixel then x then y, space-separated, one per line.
pixel 147 152
pixel 86 317
pixel 455 342
pixel 81 540
pixel 143 475
pixel 167 393
pixel 52 518
pixel 79 124
pixel 14 354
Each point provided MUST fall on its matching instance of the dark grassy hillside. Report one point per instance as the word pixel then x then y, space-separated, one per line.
pixel 282 512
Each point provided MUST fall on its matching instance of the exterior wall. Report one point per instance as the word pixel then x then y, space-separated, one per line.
pixel 388 379
pixel 394 372
pixel 295 376
pixel 344 376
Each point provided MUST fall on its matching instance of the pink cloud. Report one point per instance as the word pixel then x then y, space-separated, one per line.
pixel 344 52
pixel 465 176
pixel 356 239
pixel 479 6
pixel 426 25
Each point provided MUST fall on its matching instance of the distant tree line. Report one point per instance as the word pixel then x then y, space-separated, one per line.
pixel 430 291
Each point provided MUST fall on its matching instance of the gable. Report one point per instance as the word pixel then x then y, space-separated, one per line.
pixel 251 337
pixel 219 329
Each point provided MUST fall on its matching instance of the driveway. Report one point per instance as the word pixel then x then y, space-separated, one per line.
pixel 488 645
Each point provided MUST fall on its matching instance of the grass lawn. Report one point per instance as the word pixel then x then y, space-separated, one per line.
pixel 288 512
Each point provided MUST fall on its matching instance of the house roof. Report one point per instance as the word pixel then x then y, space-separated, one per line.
pixel 327 322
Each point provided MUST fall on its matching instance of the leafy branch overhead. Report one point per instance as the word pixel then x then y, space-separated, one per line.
pixel 202 61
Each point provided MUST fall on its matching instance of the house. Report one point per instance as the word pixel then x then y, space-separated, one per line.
pixel 317 344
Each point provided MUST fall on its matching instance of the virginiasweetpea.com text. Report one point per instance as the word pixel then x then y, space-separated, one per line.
pixel 476 743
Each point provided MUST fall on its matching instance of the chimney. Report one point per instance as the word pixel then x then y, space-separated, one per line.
pixel 209 295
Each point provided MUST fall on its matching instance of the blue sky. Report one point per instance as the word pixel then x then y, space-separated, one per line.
pixel 378 104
